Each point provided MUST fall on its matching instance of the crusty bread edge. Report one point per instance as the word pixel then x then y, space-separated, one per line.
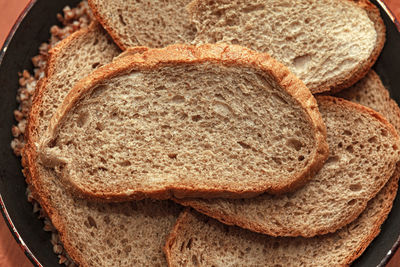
pixel 230 219
pixel 339 83
pixel 30 156
pixel 114 35
pixel 366 240
pixel 185 54
pixel 362 69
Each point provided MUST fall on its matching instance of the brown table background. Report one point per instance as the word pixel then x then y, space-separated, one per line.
pixel 10 252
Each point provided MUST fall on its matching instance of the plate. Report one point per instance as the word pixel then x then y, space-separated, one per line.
pixel 32 29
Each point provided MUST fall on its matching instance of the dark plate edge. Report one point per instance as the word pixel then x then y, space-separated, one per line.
pixel 396 246
pixel 4 211
pixel 389 13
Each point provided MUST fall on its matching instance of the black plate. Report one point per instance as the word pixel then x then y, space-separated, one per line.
pixel 31 29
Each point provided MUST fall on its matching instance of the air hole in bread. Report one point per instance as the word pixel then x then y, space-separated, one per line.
pixel 332 160
pixel 384 132
pixel 373 139
pixel 125 163
pixel 121 19
pixel 195 261
pixel 99 126
pixel 355 187
pixel 294 143
pixel 300 158
pixel 235 41
pixel 178 99
pixel 196 118
pixel 350 149
pixel 347 132
pixel 252 8
pixel 220 97
pixel 351 202
pixel 82 119
pixel 95 65
pixel 172 155
pixel 301 62
pixel 277 160
pixel 92 222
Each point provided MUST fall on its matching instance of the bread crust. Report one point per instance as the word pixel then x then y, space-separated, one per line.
pixel 363 68
pixel 114 35
pixel 390 189
pixel 184 54
pixel 30 157
pixel 337 84
pixel 231 219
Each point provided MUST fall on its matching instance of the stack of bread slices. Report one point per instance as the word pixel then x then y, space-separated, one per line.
pixel 194 133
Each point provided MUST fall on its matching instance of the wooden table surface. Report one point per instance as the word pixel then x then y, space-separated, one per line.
pixel 10 252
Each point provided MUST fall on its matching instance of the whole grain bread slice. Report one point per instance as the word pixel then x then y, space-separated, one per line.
pixel 364 150
pixel 198 240
pixel 93 234
pixel 329 44
pixel 207 121
pixel 152 23
pixel 370 92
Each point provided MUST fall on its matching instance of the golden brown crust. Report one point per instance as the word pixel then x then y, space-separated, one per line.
pixel 184 54
pixel 231 219
pixel 30 156
pixel 388 203
pixel 391 190
pixel 183 217
pixel 362 69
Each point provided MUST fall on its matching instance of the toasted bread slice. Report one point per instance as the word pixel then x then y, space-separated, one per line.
pixel 151 23
pixel 93 234
pixel 328 44
pixel 208 121
pixel 364 150
pixel 198 240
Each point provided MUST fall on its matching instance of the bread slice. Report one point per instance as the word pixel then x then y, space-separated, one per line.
pixel 329 44
pixel 207 121
pixel 364 150
pixel 370 92
pixel 93 234
pixel 198 240
pixel 152 23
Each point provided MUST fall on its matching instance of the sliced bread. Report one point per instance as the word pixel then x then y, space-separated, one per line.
pixel 364 150
pixel 152 23
pixel 329 44
pixel 198 240
pixel 93 234
pixel 207 121
pixel 370 92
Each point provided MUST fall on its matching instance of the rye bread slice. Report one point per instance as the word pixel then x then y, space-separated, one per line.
pixel 364 150
pixel 370 92
pixel 93 234
pixel 198 240
pixel 208 121
pixel 328 44
pixel 151 23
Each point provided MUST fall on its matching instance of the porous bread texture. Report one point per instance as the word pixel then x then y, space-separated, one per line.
pixel 152 23
pixel 370 92
pixel 198 240
pixel 364 150
pixel 93 234
pixel 328 44
pixel 208 121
